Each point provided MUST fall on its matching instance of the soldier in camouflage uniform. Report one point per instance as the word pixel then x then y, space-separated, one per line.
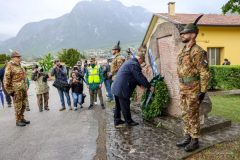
pixel 15 85
pixel 117 60
pixel 193 72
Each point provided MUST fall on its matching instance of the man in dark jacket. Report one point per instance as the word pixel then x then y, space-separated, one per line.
pixel 60 73
pixel 7 96
pixel 107 79
pixel 127 78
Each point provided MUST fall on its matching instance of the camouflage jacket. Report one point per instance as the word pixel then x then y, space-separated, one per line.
pixel 116 64
pixel 14 78
pixel 193 62
pixel 41 85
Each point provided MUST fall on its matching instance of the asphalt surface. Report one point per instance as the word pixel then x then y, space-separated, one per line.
pixel 52 135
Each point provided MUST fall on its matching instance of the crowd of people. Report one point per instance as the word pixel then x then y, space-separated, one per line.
pixel 120 78
pixel 89 74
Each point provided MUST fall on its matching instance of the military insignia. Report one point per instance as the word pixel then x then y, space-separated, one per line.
pixel 205 62
pixel 180 61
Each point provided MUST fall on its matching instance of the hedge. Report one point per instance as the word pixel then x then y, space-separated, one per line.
pixel 225 77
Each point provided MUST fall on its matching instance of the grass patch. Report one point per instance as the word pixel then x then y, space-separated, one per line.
pixel 222 151
pixel 227 106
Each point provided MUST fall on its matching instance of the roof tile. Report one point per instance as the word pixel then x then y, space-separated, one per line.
pixel 207 19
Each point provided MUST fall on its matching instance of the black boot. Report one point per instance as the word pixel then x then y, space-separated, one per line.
pixel 132 123
pixel 116 123
pixel 184 142
pixel 193 145
pixel 20 124
pixel 90 107
pixel 25 121
pixel 102 105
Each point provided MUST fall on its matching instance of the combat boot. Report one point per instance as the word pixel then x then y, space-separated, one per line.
pixel 193 145
pixel 25 121
pixel 20 124
pixel 103 107
pixel 184 142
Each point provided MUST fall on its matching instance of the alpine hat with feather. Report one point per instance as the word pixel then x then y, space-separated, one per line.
pixel 117 47
pixel 191 27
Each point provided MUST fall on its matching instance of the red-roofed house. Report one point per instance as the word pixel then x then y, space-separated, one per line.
pixel 219 35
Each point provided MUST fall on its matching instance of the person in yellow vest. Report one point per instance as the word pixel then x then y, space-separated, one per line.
pixel 94 79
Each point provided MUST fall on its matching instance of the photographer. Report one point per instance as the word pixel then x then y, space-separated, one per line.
pixel 61 83
pixel 77 89
pixel 42 88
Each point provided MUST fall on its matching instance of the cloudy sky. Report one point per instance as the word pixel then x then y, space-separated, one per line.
pixel 15 13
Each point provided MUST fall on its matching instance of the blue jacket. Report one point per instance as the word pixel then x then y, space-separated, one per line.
pixel 128 77
pixel 60 74
pixel 2 71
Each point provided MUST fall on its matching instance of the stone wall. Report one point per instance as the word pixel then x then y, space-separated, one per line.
pixel 165 44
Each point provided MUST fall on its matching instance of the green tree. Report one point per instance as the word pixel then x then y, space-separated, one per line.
pixel 46 62
pixel 4 58
pixel 70 56
pixel 232 6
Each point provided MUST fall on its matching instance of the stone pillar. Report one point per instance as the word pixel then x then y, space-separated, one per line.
pixel 165 44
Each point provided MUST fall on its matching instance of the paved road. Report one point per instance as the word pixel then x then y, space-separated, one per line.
pixel 52 135
pixel 89 134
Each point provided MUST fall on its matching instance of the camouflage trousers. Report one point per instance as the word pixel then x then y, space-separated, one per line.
pixel 43 99
pixel 190 114
pixel 19 101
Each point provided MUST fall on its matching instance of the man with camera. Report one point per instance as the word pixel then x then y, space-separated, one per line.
pixel 61 83
pixel 42 88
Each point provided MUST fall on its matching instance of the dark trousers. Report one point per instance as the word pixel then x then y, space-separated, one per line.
pixel 93 96
pixel 7 96
pixel 122 104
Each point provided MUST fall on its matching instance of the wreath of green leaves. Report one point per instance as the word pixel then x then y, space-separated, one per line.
pixel 158 101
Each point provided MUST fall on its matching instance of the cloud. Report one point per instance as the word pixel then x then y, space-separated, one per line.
pixel 16 13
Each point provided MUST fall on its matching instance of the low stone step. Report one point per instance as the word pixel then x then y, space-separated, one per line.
pixel 228 92
pixel 214 123
pixel 174 124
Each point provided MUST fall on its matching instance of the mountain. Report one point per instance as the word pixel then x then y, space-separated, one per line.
pixel 90 24
pixel 4 37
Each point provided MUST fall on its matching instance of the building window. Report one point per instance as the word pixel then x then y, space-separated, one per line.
pixel 214 56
